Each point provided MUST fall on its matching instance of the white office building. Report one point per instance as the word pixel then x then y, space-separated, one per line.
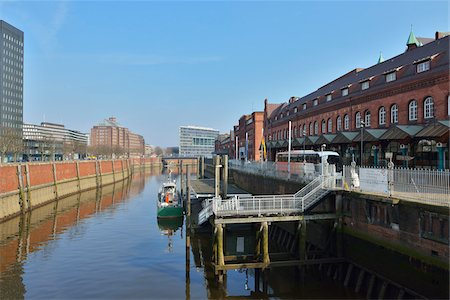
pixel 197 141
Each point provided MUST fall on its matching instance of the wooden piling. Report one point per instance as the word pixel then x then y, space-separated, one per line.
pixel 217 175
pixel 220 257
pixel 266 259
pixel 225 176
pixel 180 169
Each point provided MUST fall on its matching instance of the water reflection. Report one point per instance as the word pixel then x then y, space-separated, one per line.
pixel 168 227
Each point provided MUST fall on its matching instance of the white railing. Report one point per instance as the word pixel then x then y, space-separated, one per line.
pixel 268 204
pixel 417 185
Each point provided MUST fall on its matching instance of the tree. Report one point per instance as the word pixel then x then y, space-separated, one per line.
pixel 158 151
pixel 10 142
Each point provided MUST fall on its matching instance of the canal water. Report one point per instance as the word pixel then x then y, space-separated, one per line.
pixel 107 243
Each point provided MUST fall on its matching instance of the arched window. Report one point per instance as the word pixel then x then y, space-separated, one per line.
pixel 338 123
pixel 330 125
pixel 316 128
pixel 324 127
pixel 367 118
pixel 428 108
pixel 346 122
pixel 311 130
pixel 394 114
pixel 304 129
pixel 382 116
pixel 295 131
pixel 412 110
pixel 358 119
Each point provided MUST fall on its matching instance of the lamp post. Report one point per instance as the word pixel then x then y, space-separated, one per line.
pixel 362 124
pixel 304 141
pixel 289 150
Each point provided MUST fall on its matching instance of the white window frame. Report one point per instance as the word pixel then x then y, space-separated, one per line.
pixel 344 92
pixel 365 85
pixel 412 110
pixel 330 125
pixel 367 117
pixel 329 97
pixel 324 126
pixel 346 122
pixel 316 128
pixel 358 120
pixel 423 66
pixel 382 116
pixel 304 106
pixel 428 108
pixel 394 114
pixel 392 76
pixel 338 123
pixel 315 102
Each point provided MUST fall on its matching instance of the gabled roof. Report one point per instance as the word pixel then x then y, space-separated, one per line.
pixel 326 138
pixel 400 132
pixel 435 130
pixel 345 137
pixel 370 135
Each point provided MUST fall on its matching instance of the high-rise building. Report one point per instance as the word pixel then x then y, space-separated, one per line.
pixel 11 78
pixel 197 141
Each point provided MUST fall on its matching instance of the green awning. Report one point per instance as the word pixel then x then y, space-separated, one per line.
pixel 400 132
pixel 345 137
pixel 370 135
pixel 311 140
pixel 326 138
pixel 437 129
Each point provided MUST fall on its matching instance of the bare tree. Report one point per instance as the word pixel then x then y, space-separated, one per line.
pixel 10 142
pixel 158 151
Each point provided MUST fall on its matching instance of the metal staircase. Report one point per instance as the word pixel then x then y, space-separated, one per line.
pixel 301 201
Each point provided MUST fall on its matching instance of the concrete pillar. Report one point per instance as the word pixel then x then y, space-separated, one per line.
pixel 225 176
pixel 440 149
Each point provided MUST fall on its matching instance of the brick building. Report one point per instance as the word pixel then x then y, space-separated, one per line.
pixel 248 134
pixel 112 138
pixel 401 104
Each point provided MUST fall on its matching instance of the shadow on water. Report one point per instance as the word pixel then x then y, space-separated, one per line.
pixel 108 243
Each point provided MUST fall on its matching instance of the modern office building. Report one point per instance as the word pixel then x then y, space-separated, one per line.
pixel 50 141
pixel 11 78
pixel 197 141
pixel 112 138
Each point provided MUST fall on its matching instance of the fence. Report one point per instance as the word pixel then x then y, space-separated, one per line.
pixel 417 185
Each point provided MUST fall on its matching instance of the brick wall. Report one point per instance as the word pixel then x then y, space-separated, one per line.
pixel 8 179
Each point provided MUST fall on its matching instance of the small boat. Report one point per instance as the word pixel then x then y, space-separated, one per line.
pixel 169 202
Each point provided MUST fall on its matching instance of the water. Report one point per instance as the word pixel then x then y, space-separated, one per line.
pixel 108 245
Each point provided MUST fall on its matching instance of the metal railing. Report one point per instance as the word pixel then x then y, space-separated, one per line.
pixel 417 185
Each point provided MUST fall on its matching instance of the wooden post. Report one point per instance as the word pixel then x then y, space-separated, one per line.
pixel 198 168
pixel 202 175
pixel 339 233
pixel 188 196
pixel 180 169
pixel 55 180
pixel 220 257
pixel 225 176
pixel 20 187
pixel 258 243
pixel 77 165
pixel 27 171
pixel 188 259
pixel 123 173
pixel 96 174
pixel 266 259
pixel 114 172
pixel 301 231
pixel 100 172
pixel 217 175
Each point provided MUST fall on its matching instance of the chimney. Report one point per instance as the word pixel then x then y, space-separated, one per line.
pixel 440 35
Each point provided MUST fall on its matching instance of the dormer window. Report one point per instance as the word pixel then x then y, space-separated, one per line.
pixel 391 76
pixel 329 97
pixel 276 118
pixel 281 116
pixel 423 66
pixel 344 92
pixel 304 106
pixel 288 113
pixel 365 85
pixel 315 102
pixel 295 110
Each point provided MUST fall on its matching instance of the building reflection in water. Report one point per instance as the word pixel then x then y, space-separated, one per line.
pixel 30 232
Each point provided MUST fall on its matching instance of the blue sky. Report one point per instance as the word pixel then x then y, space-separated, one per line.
pixel 159 65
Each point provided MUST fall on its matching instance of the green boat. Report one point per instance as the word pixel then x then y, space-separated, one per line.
pixel 169 203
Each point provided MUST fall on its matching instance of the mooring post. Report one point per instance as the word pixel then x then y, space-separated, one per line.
pixel 217 175
pixel 55 182
pixel 20 187
pixel 220 258
pixel 28 185
pixel 266 259
pixel 258 243
pixel 188 197
pixel 202 175
pixel 180 167
pixel 225 176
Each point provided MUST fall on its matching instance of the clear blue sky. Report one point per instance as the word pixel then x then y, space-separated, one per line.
pixel 159 65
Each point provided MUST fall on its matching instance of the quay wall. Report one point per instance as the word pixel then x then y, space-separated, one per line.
pixel 404 241
pixel 24 187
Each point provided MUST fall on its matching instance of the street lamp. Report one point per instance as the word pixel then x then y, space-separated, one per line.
pixel 361 125
pixel 304 140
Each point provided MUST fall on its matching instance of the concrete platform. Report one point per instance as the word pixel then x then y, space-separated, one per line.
pixel 204 188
